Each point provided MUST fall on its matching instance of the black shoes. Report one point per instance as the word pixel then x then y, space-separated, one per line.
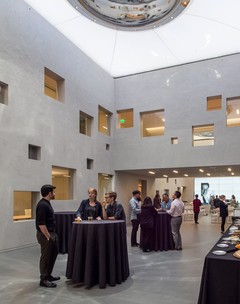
pixel 46 283
pixel 135 245
pixel 51 278
pixel 180 248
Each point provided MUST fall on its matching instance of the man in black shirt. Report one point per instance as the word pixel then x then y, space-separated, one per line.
pixel 46 236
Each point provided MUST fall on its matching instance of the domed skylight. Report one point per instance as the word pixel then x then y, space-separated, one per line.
pixel 130 14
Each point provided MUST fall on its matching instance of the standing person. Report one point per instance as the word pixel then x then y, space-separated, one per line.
pixel 114 209
pixel 157 201
pixel 223 207
pixel 196 208
pixel 166 202
pixel 135 210
pixel 46 236
pixel 147 217
pixel 176 211
pixel 90 208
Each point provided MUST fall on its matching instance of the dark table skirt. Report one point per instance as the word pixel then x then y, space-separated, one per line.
pixel 98 253
pixel 64 221
pixel 220 278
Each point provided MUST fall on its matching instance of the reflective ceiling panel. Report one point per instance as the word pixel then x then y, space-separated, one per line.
pixel 130 14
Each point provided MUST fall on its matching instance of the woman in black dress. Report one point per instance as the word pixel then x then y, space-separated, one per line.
pixel 147 216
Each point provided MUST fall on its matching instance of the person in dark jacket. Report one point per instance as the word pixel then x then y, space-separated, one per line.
pixel 147 217
pixel 223 207
pixel 90 208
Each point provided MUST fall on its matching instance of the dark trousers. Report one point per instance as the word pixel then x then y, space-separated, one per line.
pixel 223 223
pixel 147 240
pixel 196 216
pixel 135 225
pixel 49 252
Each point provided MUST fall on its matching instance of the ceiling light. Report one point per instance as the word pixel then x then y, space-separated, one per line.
pixel 186 175
pixel 208 174
pixel 201 170
pixel 229 169
pixel 232 173
pixel 151 172
pixel 175 171
pixel 165 175
pixel 237 111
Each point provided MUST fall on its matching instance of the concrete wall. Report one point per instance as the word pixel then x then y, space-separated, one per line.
pixel 28 44
pixel 182 92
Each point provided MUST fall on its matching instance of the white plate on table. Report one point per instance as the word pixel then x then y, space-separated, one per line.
pixel 222 245
pixel 226 239
pixel 219 252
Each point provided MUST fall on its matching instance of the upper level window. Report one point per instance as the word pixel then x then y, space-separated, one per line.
pixel 233 112
pixel 104 119
pixel 214 103
pixel 152 123
pixel 34 152
pixel 3 93
pixel 85 123
pixel 53 85
pixel 203 135
pixel 63 180
pixel 125 119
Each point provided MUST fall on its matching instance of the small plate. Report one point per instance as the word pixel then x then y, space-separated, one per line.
pixel 226 239
pixel 222 245
pixel 219 252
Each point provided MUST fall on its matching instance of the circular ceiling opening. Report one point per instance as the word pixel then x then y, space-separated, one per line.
pixel 130 14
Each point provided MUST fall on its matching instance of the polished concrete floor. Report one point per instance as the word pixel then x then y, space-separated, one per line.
pixel 157 277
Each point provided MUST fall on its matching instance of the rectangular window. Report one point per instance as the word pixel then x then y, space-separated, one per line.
pixel 34 152
pixel 214 103
pixel 24 205
pixel 3 93
pixel 63 180
pixel 89 163
pixel 233 112
pixel 174 140
pixel 85 123
pixel 152 123
pixel 203 135
pixel 53 85
pixel 104 119
pixel 125 119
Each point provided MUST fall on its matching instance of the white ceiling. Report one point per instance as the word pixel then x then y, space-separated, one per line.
pixel 205 29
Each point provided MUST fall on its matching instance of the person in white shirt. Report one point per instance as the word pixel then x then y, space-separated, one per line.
pixel 135 209
pixel 176 211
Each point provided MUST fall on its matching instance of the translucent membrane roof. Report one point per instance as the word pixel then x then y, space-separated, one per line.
pixel 202 29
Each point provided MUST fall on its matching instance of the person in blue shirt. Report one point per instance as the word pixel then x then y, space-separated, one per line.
pixel 166 202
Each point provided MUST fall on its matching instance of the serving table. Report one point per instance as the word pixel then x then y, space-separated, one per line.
pixel 98 253
pixel 64 221
pixel 220 277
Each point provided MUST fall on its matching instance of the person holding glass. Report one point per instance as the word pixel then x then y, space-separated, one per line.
pixel 90 209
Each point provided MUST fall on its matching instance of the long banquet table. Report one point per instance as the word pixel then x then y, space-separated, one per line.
pixel 220 277
pixel 64 221
pixel 98 253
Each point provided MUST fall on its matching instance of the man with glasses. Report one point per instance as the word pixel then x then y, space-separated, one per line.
pixel 114 209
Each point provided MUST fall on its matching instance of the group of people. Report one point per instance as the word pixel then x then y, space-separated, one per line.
pixel 111 209
pixel 142 214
